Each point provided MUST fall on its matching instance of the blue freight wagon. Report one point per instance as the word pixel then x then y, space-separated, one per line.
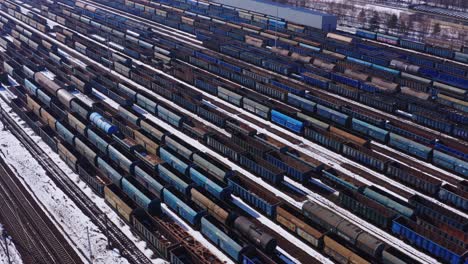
pixel 286 121
pixel 254 195
pixel 422 238
pixel 222 240
pixel 215 188
pixel 153 207
pixel 187 213
pixel 369 130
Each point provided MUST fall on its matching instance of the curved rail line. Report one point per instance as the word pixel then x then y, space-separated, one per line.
pixel 117 238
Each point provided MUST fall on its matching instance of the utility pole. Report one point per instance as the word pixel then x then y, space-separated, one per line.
pixel 107 231
pixel 89 246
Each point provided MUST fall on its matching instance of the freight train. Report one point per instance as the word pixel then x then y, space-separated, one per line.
pixel 362 127
pixel 422 117
pixel 416 148
pixel 380 166
pixel 169 240
pixel 356 59
pixel 284 38
pixel 406 146
pixel 179 124
pixel 418 46
pixel 115 153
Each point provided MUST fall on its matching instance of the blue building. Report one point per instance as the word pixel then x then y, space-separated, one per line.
pixel 296 15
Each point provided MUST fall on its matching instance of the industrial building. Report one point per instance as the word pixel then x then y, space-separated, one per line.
pixel 297 15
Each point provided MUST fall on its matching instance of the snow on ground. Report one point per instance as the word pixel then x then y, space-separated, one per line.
pixel 383 9
pixel 311 149
pixel 69 219
pixel 14 255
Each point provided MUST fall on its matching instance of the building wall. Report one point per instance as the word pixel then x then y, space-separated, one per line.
pixel 294 14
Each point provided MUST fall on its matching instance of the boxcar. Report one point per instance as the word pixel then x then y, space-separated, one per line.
pixel 214 187
pixel 286 121
pixel 150 183
pixel 212 166
pixel 409 146
pixel 367 208
pixel 340 253
pixel 116 199
pixel 332 115
pixel 389 201
pixel 175 179
pixel 450 162
pixel 294 221
pixel 369 130
pixel 182 209
pixel 222 240
pixel 152 206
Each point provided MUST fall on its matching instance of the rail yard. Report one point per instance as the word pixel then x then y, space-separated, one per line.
pixel 222 135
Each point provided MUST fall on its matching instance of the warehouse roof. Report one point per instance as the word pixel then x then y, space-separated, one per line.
pixel 297 15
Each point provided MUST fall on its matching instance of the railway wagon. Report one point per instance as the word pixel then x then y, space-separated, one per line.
pixel 67 154
pixel 222 240
pixel 455 196
pixel 212 166
pixel 256 196
pixel 340 253
pixel 188 213
pixel 344 229
pixel 295 168
pixel 414 178
pixel 117 200
pixel 433 211
pixel 156 234
pixel 388 200
pixel 88 173
pixel 339 180
pixel 215 187
pixel 429 241
pixel 449 162
pixel 295 222
pixel 262 168
pixel 367 208
pixel 365 156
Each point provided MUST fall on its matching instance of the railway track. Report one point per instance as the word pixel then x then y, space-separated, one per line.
pixel 176 35
pixel 36 236
pixel 354 219
pixel 379 232
pixel 117 238
pixel 414 164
